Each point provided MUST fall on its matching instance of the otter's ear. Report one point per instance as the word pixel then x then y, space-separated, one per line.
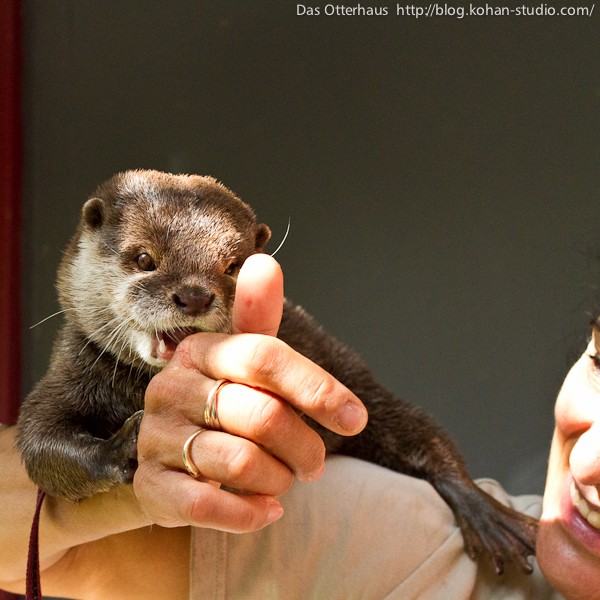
pixel 93 213
pixel 263 234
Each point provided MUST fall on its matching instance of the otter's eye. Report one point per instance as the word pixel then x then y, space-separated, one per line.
pixel 145 262
pixel 233 268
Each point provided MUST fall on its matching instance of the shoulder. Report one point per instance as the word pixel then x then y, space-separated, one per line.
pixel 359 532
pixel 530 504
pixel 362 531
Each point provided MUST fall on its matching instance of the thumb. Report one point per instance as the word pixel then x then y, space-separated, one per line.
pixel 258 304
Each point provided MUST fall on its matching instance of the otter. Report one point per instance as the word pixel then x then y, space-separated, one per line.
pixel 154 259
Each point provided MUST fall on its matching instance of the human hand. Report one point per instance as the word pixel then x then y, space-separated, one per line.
pixel 263 443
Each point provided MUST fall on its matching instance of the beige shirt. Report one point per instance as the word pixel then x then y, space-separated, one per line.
pixel 362 532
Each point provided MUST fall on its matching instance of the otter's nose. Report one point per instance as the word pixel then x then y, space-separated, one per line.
pixel 193 301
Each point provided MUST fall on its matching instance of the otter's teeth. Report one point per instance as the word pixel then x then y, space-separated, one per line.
pixel 581 504
pixel 162 347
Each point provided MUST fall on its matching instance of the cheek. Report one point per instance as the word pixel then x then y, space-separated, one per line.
pixel 578 404
pixel 141 297
pixel 585 457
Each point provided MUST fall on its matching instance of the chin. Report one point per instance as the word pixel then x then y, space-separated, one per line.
pixel 564 567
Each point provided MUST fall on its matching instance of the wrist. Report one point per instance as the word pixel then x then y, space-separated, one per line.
pixel 90 519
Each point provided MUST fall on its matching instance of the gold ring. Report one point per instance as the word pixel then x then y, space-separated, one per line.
pixel 211 418
pixel 188 463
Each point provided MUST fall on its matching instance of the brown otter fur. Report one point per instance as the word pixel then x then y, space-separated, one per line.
pixel 155 258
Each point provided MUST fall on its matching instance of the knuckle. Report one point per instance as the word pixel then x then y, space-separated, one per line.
pixel 157 389
pixel 316 457
pixel 164 390
pixel 170 394
pixel 241 466
pixel 263 358
pixel 317 390
pixel 155 435
pixel 195 508
pixel 184 353
pixel 265 418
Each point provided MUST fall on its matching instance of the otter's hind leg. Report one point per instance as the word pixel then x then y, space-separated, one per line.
pixel 487 526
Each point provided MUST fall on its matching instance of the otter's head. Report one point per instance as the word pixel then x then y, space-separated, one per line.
pixel 156 258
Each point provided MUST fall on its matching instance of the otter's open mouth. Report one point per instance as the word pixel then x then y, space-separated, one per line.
pixel 165 342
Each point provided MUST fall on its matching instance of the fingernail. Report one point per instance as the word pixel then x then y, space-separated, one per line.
pixel 351 417
pixel 318 473
pixel 313 475
pixel 275 512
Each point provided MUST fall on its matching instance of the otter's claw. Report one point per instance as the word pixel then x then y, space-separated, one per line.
pixel 489 527
pixel 123 449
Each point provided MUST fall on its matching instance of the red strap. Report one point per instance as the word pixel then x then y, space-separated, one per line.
pixel 34 586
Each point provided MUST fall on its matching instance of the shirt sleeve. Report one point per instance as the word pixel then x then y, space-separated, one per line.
pixel 362 532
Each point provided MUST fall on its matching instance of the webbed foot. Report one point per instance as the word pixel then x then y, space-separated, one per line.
pixel 489 527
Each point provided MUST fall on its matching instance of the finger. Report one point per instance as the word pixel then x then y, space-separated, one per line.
pixel 273 424
pixel 177 403
pixel 268 363
pixel 231 461
pixel 258 301
pixel 174 499
pixel 177 395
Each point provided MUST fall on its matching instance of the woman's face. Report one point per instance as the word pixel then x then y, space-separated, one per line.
pixel 568 546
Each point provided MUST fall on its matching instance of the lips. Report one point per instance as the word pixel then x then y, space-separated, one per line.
pixel 572 509
pixel 165 343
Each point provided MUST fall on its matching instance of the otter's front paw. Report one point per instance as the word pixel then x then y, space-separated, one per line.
pixel 122 449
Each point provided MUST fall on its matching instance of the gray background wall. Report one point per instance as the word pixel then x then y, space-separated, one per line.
pixel 441 177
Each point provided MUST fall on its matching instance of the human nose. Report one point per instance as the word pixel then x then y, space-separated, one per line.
pixel 585 457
